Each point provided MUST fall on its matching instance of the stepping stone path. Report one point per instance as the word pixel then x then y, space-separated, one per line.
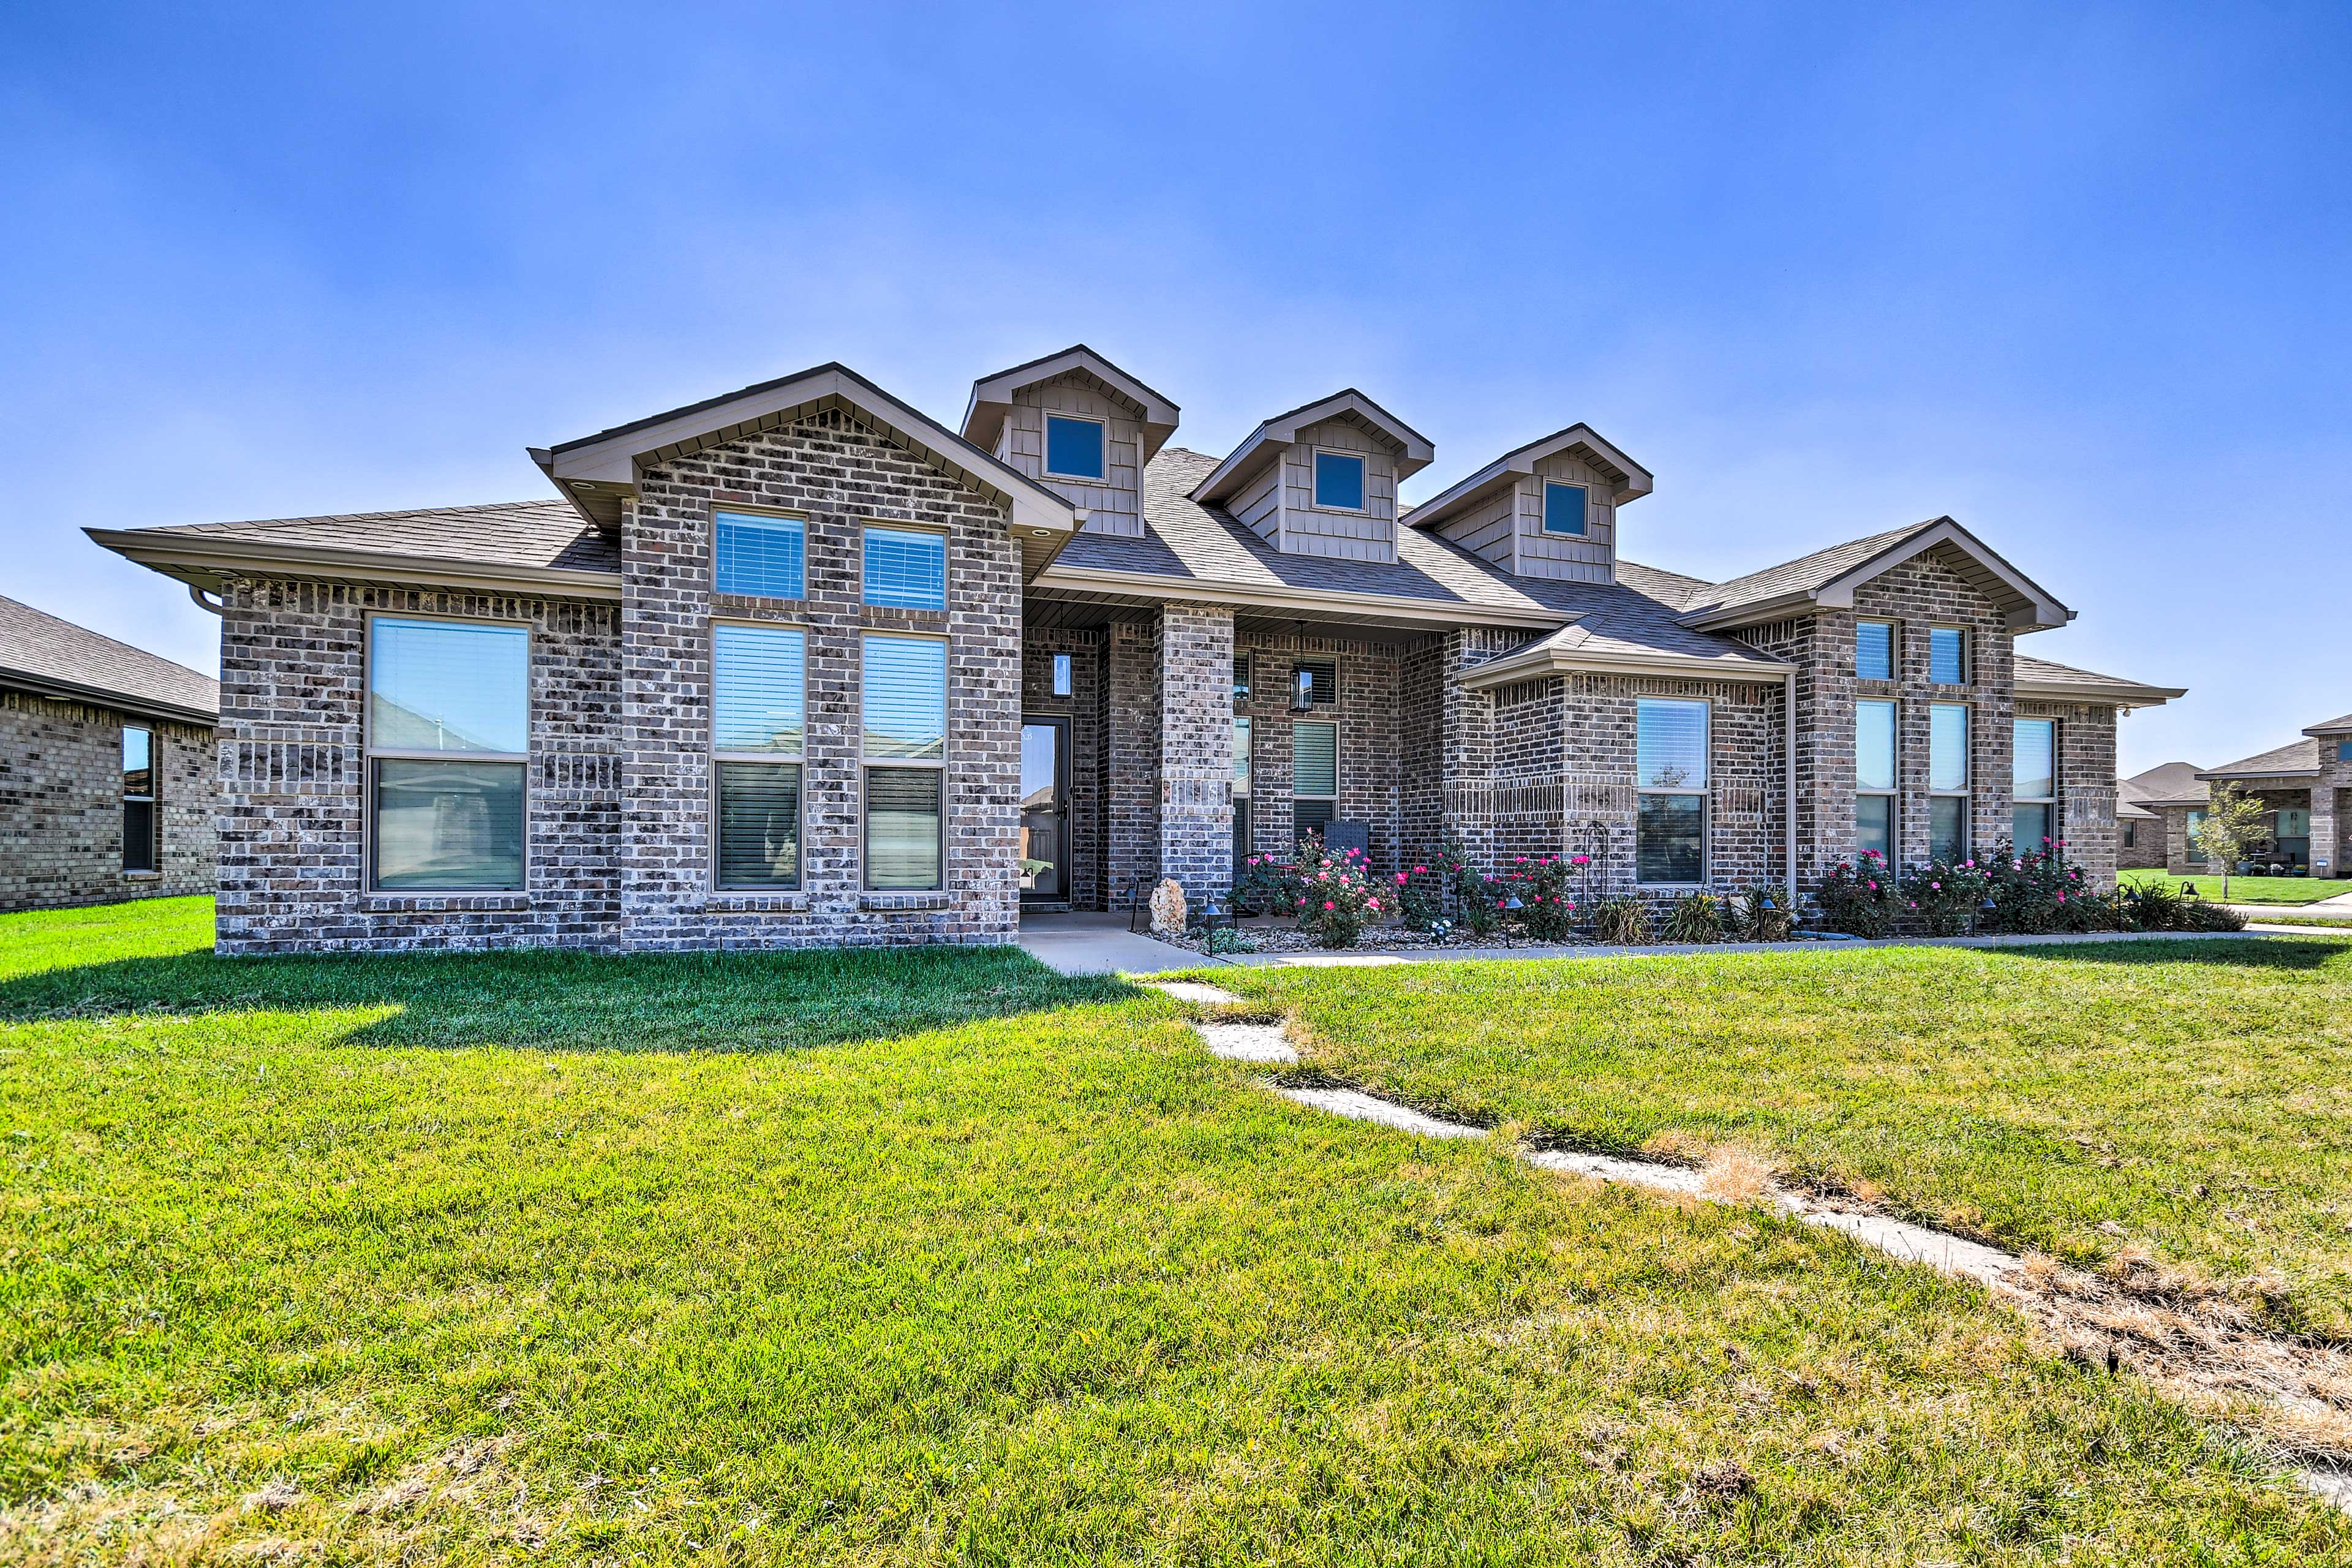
pixel 1259 1042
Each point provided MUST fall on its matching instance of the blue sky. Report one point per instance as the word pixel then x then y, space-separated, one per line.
pixel 2077 275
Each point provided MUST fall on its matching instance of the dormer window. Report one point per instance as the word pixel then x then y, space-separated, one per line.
pixel 1564 509
pixel 1338 482
pixel 1074 447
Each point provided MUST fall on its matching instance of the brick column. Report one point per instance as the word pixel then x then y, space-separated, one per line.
pixel 1195 662
pixel 1130 753
pixel 2324 861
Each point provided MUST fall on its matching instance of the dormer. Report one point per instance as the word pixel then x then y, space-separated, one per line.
pixel 1322 480
pixel 1548 509
pixel 1079 425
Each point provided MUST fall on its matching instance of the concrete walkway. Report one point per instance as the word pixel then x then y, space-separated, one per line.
pixel 1082 942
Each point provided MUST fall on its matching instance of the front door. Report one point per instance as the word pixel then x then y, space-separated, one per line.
pixel 1046 811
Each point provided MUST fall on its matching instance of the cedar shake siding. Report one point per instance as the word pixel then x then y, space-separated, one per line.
pixel 1481 677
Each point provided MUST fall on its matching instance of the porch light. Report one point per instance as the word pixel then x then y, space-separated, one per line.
pixel 1302 689
pixel 1766 903
pixel 1513 902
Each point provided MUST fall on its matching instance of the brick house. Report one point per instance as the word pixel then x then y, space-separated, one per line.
pixel 799 665
pixel 2301 787
pixel 106 767
pixel 2141 807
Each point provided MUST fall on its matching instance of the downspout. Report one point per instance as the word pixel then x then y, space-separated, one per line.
pixel 197 594
pixel 1789 771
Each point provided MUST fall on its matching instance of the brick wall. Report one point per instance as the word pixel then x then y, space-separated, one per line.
pixel 839 474
pixel 1372 719
pixel 1196 647
pixel 2087 783
pixel 2145 852
pixel 292 778
pixel 1084 708
pixel 62 805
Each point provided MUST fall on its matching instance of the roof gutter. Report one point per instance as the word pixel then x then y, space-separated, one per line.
pixel 51 687
pixel 201 562
pixel 1538 663
pixel 1293 601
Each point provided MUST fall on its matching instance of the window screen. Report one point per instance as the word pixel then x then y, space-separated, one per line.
pixel 1314 759
pixel 448 823
pixel 1564 509
pixel 760 555
pixel 1947 746
pixel 759 680
pixel 1874 650
pixel 905 569
pixel 2033 759
pixel 1874 825
pixel 1340 481
pixel 1074 447
pixel 448 731
pixel 1948 828
pixel 902 828
pixel 1669 839
pixel 1874 745
pixel 1948 656
pixel 1670 743
pixel 906 697
pixel 758 824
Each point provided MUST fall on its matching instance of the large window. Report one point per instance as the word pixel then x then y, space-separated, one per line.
pixel 905 728
pixel 1947 781
pixel 1874 650
pixel 1340 481
pixel 448 733
pixel 1314 775
pixel 1564 509
pixel 140 817
pixel 1074 447
pixel 905 569
pixel 759 696
pixel 1873 778
pixel 1670 771
pixel 2194 826
pixel 1948 656
pixel 2034 784
pixel 763 556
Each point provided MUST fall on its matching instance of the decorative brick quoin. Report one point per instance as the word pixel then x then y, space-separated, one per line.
pixel 800 666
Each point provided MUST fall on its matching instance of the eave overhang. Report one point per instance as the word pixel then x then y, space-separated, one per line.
pixel 63 691
pixel 1629 480
pixel 1280 598
pixel 991 397
pixel 1535 663
pixel 1267 443
pixel 597 473
pixel 2025 607
pixel 2122 693
pixel 202 562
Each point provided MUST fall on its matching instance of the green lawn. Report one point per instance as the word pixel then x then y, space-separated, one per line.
pixel 2198 1096
pixel 2248 889
pixel 940 1259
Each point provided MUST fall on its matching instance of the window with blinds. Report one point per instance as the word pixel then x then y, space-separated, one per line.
pixel 905 707
pixel 141 819
pixel 2033 783
pixel 1670 746
pixel 764 557
pixel 1947 781
pixel 1948 656
pixel 1874 650
pixel 905 569
pixel 449 734
pixel 1874 779
pixel 1314 775
pixel 759 698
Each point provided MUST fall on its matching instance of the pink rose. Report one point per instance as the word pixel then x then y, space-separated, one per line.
pixel 1326 905
pixel 1373 904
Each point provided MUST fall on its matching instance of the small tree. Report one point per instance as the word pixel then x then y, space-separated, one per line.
pixel 2233 819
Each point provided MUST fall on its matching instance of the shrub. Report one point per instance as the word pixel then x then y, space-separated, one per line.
pixel 1756 922
pixel 1622 921
pixel 1696 917
pixel 1948 896
pixel 1228 939
pixel 2153 906
pixel 2030 893
pixel 1476 898
pixel 1541 883
pixel 1267 885
pixel 1860 899
pixel 1337 897
pixel 1420 896
pixel 2197 914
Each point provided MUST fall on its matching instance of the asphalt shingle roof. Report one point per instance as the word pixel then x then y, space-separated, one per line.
pixel 42 648
pixel 1803 575
pixel 533 533
pixel 2295 757
pixel 2168 782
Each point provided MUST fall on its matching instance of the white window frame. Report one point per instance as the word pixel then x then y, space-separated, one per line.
pixel 1894 796
pixel 1705 792
pixel 370 753
pixel 1968 654
pixel 783 514
pixel 767 758
pixel 1045 448
pixel 1965 795
pixel 1313 484
pixel 1543 507
pixel 866 764
pixel 152 799
pixel 1893 647
pixel 946 564
pixel 2049 800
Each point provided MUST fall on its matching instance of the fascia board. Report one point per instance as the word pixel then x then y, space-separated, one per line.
pixel 62 690
pixel 1552 661
pixel 1304 602
pixel 191 558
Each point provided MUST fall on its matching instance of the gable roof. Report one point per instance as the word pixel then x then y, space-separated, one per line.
pixel 48 657
pixel 2043 678
pixel 2294 758
pixel 1827 579
pixel 2331 727
pixel 531 545
pixel 595 472
pixel 991 396
pixel 2167 780
pixel 1279 434
pixel 1632 481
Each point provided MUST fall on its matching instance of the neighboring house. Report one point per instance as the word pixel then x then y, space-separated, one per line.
pixel 2140 804
pixel 2301 787
pixel 106 767
pixel 799 665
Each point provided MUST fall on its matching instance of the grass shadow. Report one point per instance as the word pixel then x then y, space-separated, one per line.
pixel 579 1001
